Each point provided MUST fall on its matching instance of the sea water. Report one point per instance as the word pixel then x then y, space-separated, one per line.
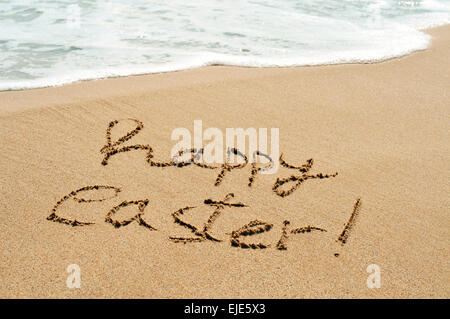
pixel 52 42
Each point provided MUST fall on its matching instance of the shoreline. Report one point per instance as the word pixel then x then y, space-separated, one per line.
pixel 96 83
pixel 382 127
pixel 426 30
pixel 193 68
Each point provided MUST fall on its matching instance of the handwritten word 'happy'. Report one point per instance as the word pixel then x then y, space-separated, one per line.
pixel 112 148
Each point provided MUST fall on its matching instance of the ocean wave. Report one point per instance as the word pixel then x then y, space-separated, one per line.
pixel 49 43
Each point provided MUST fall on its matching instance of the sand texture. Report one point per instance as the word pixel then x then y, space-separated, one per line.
pixel 139 228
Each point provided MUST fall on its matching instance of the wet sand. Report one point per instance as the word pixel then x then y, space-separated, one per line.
pixel 382 127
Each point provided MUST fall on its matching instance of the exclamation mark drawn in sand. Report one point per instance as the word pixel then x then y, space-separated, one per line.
pixel 343 237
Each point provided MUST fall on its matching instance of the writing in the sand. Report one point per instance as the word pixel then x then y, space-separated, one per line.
pixel 237 237
pixel 282 186
pixel 199 234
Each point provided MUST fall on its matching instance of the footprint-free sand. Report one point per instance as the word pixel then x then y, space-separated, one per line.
pixel 383 128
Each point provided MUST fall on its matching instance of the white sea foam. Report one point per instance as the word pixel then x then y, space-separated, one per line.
pixel 52 42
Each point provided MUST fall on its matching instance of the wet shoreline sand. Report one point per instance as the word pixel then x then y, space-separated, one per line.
pixel 382 127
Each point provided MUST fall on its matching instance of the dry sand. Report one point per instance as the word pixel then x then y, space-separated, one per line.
pixel 383 127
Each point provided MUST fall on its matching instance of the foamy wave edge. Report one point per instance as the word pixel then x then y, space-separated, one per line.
pixel 213 59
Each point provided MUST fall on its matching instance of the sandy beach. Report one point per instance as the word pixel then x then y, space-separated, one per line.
pixel 382 127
